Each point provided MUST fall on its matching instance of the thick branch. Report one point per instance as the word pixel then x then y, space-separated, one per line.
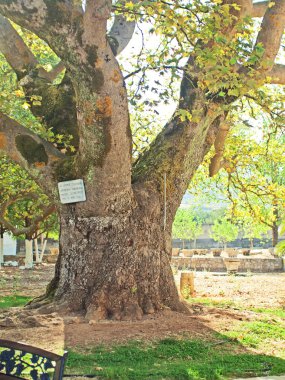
pixel 277 74
pixel 57 109
pixel 247 7
pixel 270 34
pixel 179 149
pixel 259 9
pixel 38 15
pixel 13 47
pixel 30 151
pixel 19 56
pixel 219 145
pixel 97 13
pixel 32 11
pixel 52 74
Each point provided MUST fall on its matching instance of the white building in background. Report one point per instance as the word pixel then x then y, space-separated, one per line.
pixel 9 245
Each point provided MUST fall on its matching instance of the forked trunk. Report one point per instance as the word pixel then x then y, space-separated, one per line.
pixel 39 251
pixel 115 266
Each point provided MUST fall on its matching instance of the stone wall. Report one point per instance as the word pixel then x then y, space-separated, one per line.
pixel 216 264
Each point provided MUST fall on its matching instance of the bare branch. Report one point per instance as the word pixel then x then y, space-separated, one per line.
pixel 219 145
pixel 29 150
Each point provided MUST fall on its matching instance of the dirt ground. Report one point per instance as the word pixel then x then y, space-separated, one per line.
pixel 53 332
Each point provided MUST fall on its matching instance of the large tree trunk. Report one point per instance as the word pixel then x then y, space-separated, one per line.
pixel 115 266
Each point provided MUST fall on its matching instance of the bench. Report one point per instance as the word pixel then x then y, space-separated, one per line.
pixel 21 361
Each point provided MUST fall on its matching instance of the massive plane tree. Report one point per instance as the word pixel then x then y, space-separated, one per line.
pixel 114 257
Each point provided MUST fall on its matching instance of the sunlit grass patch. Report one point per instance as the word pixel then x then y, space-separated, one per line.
pixel 211 302
pixel 266 336
pixel 13 301
pixel 277 312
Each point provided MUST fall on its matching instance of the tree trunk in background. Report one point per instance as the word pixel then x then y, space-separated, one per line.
pixel 29 254
pixel 275 234
pixel 251 243
pixel 37 250
pixel 40 253
pixel 1 250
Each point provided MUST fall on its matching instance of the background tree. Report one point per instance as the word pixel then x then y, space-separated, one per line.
pixel 223 231
pixel 252 229
pixel 120 238
pixel 187 225
pixel 251 176
pixel 24 210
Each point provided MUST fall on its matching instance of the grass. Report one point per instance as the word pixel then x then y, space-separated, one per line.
pixel 13 301
pixel 211 303
pixel 172 359
pixel 274 312
pixel 266 334
pixel 263 335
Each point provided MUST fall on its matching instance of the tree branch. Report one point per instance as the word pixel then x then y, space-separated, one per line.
pixel 271 32
pixel 29 150
pixel 46 211
pixel 19 56
pixel 259 9
pixel 57 109
pixel 277 74
pixel 38 15
pixel 219 145
pixel 52 74
pixel 97 12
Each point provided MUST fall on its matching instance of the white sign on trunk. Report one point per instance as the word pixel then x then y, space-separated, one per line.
pixel 72 191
